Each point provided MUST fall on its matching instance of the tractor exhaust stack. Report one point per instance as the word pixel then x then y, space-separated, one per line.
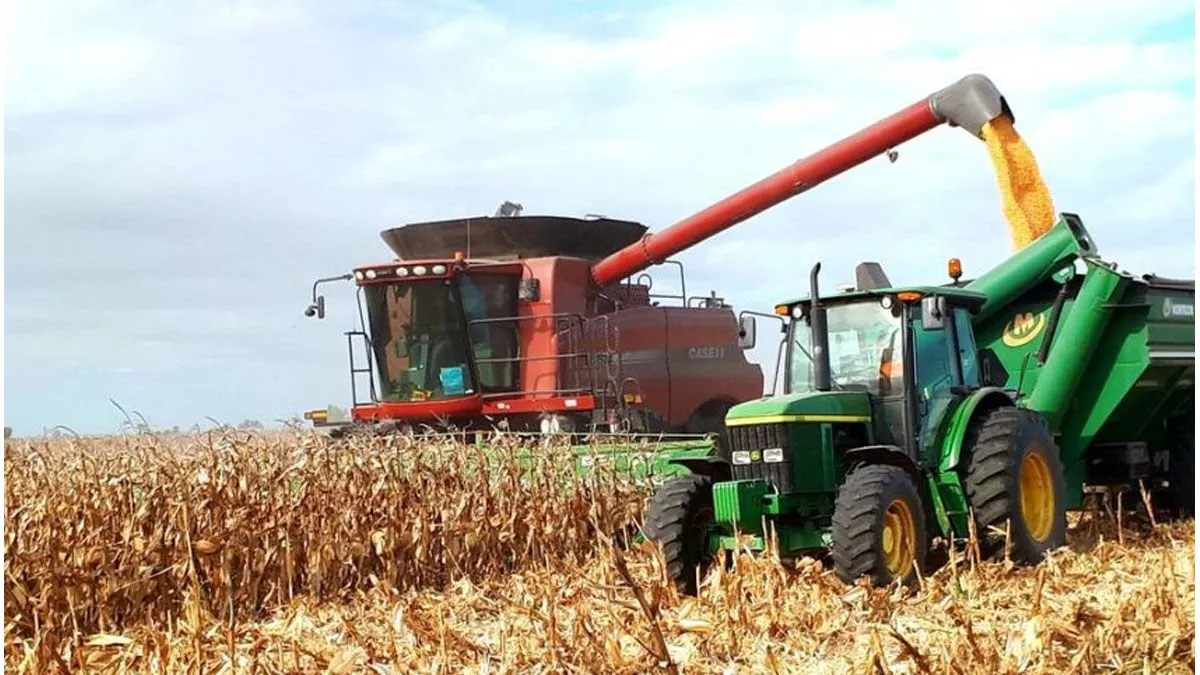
pixel 822 371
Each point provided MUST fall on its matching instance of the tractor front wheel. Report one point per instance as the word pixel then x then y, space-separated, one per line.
pixel 878 526
pixel 677 518
pixel 1014 475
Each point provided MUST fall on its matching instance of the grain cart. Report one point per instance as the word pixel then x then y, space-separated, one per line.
pixel 905 410
pixel 536 322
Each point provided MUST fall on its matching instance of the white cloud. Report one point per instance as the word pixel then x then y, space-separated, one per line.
pixel 259 145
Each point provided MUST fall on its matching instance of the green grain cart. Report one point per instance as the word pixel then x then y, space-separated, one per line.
pixel 908 411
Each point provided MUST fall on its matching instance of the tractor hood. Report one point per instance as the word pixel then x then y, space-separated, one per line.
pixel 812 406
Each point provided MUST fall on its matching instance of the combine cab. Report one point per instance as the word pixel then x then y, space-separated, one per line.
pixel 497 322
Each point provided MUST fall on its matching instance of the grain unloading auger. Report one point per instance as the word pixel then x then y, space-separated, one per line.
pixel 908 411
pixel 535 323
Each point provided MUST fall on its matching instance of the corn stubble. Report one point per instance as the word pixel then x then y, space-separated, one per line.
pixel 274 553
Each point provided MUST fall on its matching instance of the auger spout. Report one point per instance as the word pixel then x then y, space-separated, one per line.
pixel 970 103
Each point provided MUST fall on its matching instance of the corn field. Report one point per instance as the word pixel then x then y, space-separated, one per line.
pixel 264 552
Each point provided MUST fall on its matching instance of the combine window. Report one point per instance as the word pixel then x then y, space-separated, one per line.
pixel 418 332
pixel 436 339
pixel 490 302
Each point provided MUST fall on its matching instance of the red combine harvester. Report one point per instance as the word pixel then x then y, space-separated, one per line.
pixel 498 321
pixel 534 323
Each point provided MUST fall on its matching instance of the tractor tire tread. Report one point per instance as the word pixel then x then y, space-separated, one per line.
pixel 991 465
pixel 857 515
pixel 667 516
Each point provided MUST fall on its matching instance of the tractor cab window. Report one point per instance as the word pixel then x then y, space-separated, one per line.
pixel 967 354
pixel 490 303
pixel 866 351
pixel 935 378
pixel 418 334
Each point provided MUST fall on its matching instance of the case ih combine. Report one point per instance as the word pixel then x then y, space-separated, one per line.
pixel 535 323
pixel 503 321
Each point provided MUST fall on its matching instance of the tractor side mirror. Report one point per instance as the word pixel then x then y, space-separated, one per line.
pixel 746 332
pixel 933 312
pixel 316 309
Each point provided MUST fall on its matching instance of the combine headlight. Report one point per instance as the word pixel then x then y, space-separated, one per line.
pixel 370 274
pixel 741 457
pixel 797 312
pixel 886 302
pixel 401 271
pixel 358 275
pixel 773 455
pixel 439 269
pixel 419 270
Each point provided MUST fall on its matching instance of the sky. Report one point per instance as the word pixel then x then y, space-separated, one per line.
pixel 178 173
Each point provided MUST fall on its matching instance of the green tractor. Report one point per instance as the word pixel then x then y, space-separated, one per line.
pixel 908 412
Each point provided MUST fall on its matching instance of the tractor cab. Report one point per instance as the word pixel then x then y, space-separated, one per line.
pixel 902 353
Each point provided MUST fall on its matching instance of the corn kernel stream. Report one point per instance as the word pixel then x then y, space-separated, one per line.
pixel 1026 199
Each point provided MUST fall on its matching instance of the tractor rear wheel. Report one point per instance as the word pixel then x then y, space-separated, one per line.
pixel 677 518
pixel 1014 475
pixel 878 526
pixel 1181 438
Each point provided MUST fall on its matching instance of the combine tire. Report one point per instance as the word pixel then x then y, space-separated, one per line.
pixel 878 526
pixel 1014 475
pixel 676 518
pixel 1181 437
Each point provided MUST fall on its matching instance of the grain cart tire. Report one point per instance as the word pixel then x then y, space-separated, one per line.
pixel 878 526
pixel 676 518
pixel 1015 475
pixel 1181 437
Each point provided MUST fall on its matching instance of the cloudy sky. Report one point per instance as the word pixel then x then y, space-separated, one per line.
pixel 177 173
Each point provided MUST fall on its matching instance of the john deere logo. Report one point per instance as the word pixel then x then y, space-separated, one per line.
pixel 1023 329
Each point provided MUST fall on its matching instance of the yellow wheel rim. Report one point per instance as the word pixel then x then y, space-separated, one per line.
pixel 899 538
pixel 1037 496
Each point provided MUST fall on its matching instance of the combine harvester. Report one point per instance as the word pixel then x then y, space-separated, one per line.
pixel 505 322
pixel 530 323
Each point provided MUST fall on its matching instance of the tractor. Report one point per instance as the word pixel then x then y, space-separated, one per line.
pixel 914 412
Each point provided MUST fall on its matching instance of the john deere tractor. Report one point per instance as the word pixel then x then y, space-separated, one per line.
pixel 907 412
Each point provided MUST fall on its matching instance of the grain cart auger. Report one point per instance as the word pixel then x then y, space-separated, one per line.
pixel 534 323
pixel 905 410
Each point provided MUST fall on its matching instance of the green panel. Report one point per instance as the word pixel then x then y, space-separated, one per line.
pixel 958 422
pixel 1035 263
pixel 812 406
pixel 739 503
pixel 1079 333
pixel 951 502
pixel 814 466
pixel 818 505
pixel 636 460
